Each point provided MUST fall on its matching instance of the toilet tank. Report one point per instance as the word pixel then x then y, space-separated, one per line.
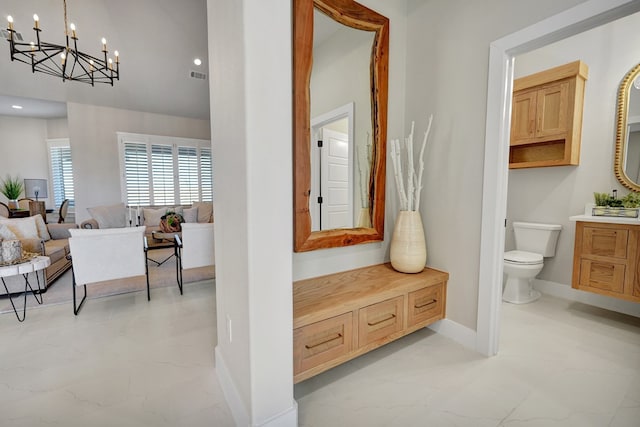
pixel 536 237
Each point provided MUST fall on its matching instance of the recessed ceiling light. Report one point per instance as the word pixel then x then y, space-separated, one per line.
pixel 17 107
pixel 197 61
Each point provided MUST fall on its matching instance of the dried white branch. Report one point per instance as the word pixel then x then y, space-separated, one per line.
pixel 409 200
pixel 397 166
pixel 410 169
pixel 363 155
pixel 424 144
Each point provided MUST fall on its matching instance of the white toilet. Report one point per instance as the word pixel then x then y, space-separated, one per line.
pixel 534 242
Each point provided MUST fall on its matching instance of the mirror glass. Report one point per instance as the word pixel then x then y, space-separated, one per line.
pixel 627 161
pixel 340 81
pixel 341 127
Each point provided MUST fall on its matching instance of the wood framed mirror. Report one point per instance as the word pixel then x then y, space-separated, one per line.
pixel 627 158
pixel 364 169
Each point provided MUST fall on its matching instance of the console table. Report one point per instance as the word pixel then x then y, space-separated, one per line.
pixel 24 268
pixel 344 315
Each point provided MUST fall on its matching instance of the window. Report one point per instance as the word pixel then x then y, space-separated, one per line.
pixel 61 168
pixel 159 170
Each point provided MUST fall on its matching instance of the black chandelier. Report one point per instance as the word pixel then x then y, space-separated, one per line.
pixel 64 61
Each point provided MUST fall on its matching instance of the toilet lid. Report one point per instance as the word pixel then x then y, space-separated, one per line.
pixel 522 257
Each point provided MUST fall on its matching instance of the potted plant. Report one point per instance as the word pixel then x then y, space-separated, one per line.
pixel 12 189
pixel 610 205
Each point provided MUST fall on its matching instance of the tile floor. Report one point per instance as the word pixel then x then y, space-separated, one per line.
pixel 560 364
pixel 126 362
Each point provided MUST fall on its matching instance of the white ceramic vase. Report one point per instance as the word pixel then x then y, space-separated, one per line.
pixel 408 247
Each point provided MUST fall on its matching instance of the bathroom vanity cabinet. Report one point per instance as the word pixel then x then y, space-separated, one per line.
pixel 546 118
pixel 344 315
pixel 606 259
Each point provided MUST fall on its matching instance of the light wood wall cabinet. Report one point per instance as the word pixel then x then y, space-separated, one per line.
pixel 344 315
pixel 546 117
pixel 606 259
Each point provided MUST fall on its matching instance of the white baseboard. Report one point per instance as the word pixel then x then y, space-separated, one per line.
pixel 567 292
pixel 287 418
pixel 238 409
pixel 457 332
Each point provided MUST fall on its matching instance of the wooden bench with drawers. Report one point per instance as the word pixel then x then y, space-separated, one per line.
pixel 344 315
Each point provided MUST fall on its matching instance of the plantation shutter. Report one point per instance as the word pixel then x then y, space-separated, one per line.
pixel 206 174
pixel 61 174
pixel 188 174
pixel 159 170
pixel 162 174
pixel 136 172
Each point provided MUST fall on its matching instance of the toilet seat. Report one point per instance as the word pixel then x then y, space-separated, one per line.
pixel 523 258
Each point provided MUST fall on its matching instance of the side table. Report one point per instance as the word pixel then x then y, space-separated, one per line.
pixel 34 265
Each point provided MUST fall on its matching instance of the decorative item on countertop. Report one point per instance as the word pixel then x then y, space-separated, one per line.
pixel 610 205
pixel 408 249
pixel 12 189
pixel 171 222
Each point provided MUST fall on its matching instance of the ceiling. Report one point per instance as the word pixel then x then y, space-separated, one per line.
pixel 157 41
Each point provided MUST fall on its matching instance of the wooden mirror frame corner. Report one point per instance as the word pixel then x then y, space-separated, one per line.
pixel 354 15
pixel 621 129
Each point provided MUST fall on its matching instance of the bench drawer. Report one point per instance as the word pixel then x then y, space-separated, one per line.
pixel 322 342
pixel 380 320
pixel 425 304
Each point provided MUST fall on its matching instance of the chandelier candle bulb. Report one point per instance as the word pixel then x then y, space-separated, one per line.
pixel 117 55
pixel 104 44
pixel 73 31
pixel 36 22
pixel 10 20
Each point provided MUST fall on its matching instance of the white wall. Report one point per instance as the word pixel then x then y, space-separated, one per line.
pixel 250 95
pixel 94 147
pixel 23 142
pixel 553 194
pixel 326 261
pixel 447 63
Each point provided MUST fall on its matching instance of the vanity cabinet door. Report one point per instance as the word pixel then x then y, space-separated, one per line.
pixel 605 242
pixel 606 276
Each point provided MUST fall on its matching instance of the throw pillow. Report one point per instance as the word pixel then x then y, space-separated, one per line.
pixel 23 228
pixel 112 216
pixel 190 215
pixel 205 211
pixel 43 231
pixel 6 234
pixel 152 216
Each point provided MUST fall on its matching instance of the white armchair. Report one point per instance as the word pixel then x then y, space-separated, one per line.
pixel 106 254
pixel 195 247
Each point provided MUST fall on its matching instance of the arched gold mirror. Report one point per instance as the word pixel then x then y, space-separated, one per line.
pixel 627 159
pixel 349 117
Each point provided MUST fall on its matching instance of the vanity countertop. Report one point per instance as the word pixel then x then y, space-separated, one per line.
pixel 609 219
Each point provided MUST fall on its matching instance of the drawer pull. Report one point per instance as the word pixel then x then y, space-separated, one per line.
pixel 433 301
pixel 333 338
pixel 381 321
